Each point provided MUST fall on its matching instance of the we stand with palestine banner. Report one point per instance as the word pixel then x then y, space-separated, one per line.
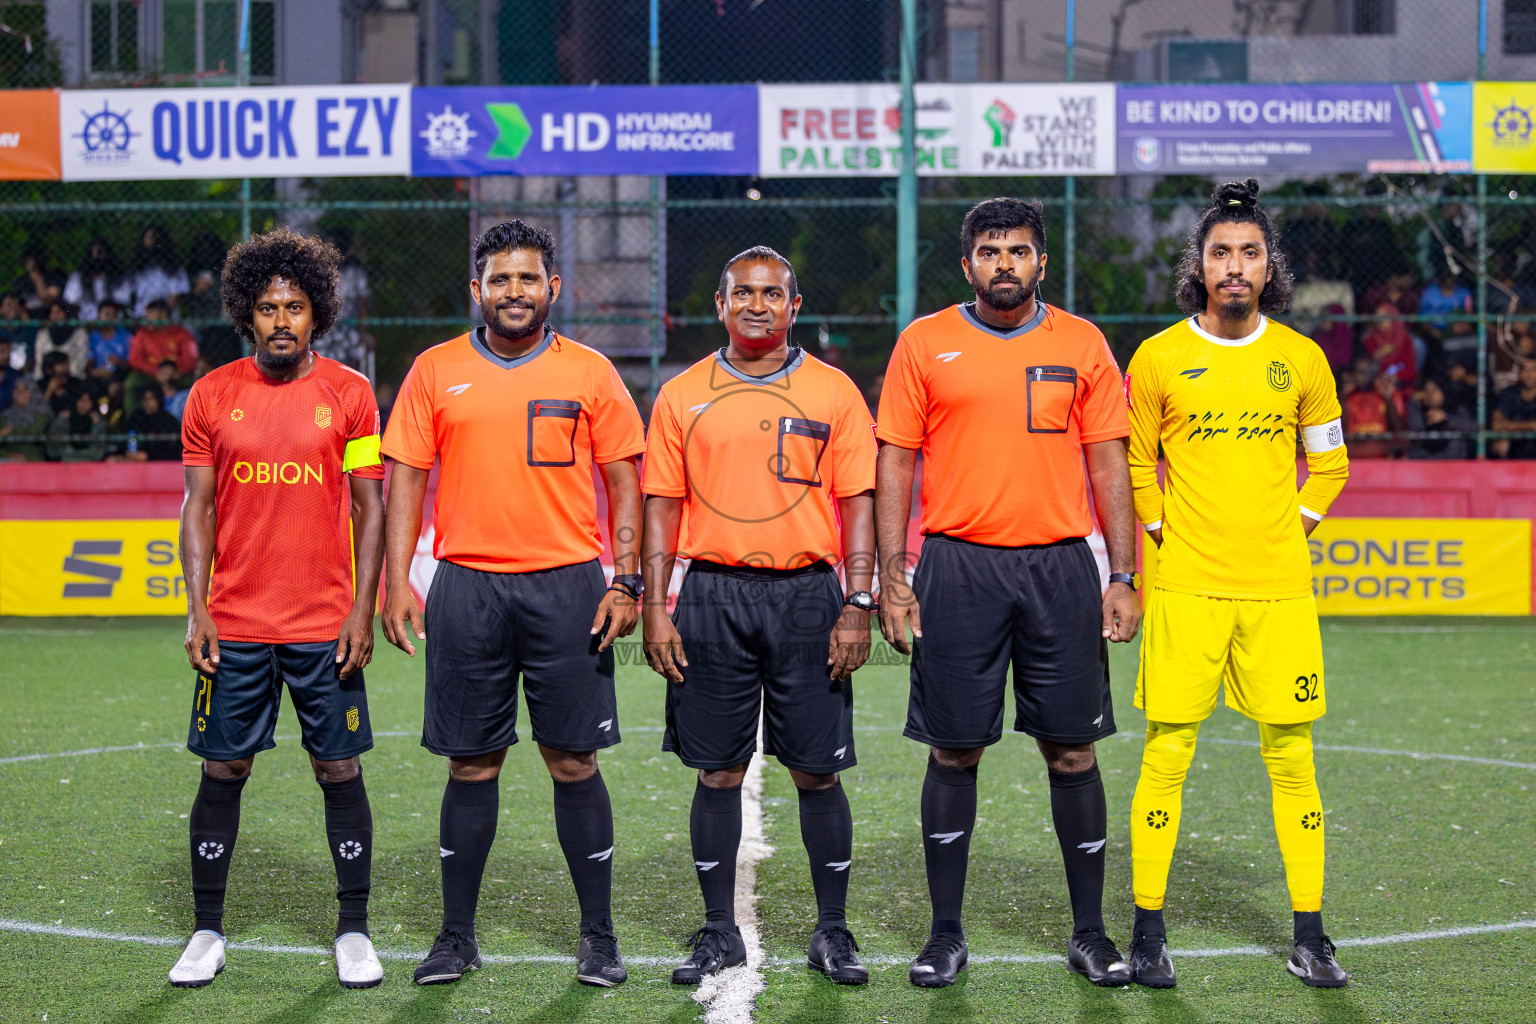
pixel 801 131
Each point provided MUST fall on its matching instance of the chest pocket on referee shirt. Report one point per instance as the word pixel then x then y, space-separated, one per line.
pixel 1050 394
pixel 801 443
pixel 552 426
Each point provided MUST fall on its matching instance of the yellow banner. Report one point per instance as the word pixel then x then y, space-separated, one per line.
pixel 1502 138
pixel 90 567
pixel 1415 566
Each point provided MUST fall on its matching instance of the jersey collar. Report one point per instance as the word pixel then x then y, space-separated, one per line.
pixel 968 310
pixel 1229 342
pixel 477 339
pixel 796 358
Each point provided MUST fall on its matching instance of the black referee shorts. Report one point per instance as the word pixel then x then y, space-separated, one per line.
pixel 235 710
pixel 485 629
pixel 756 641
pixel 1038 609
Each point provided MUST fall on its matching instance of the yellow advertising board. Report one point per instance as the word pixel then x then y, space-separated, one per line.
pixel 90 567
pixel 1502 138
pixel 1416 566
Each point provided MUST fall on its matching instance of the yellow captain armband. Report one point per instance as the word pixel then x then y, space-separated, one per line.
pixel 361 452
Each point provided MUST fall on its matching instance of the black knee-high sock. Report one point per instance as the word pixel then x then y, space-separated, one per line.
pixel 214 825
pixel 349 830
pixel 584 823
pixel 1077 809
pixel 715 827
pixel 466 831
pixel 949 816
pixel 826 827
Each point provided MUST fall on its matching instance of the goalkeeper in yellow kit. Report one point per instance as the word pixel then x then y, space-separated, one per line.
pixel 1228 393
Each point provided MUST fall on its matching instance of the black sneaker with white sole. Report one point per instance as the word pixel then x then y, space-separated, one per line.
pixel 1150 963
pixel 452 954
pixel 714 949
pixel 832 953
pixel 944 955
pixel 597 960
pixel 1312 961
pixel 1093 955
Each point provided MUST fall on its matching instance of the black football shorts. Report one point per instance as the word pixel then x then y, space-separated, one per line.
pixel 485 629
pixel 1037 609
pixel 235 710
pixel 756 642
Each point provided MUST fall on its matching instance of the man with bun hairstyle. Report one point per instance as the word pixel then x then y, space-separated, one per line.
pixel 1227 394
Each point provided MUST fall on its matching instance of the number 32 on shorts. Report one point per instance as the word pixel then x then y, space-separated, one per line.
pixel 1308 688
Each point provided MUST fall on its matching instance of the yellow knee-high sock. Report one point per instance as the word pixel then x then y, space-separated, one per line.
pixel 1155 808
pixel 1298 807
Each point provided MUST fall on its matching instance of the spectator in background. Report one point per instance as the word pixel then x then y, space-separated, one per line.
pixel 156 275
pixel 78 434
pixel 59 388
pixel 109 343
pixel 19 338
pixel 173 397
pixel 1336 339
pixel 1399 290
pixel 57 336
pixel 1432 410
pixel 154 343
pixel 203 305
pixel 1373 405
pixel 27 414
pixel 1516 410
pixel 1516 345
pixel 39 284
pixel 8 376
pixel 97 279
pixel 1369 251
pixel 156 432
pixel 1391 347
pixel 345 342
pixel 1318 289
pixel 1446 296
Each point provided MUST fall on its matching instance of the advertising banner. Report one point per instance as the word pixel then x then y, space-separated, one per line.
pixel 268 132
pixel 1302 129
pixel 1501 127
pixel 90 567
pixel 29 135
pixel 615 129
pixel 994 128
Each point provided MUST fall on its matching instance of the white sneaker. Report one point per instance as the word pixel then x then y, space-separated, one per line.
pixel 357 965
pixel 202 960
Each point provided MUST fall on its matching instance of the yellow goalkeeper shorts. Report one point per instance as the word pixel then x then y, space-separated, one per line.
pixel 1269 654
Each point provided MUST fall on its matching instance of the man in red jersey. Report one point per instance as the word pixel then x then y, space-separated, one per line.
pixel 284 504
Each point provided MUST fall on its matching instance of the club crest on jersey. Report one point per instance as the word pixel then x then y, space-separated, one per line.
pixel 352 719
pixel 322 416
pixel 1279 376
pixel 237 414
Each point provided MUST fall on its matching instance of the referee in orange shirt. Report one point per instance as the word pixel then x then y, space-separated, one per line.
pixel 515 416
pixel 1008 399
pixel 760 468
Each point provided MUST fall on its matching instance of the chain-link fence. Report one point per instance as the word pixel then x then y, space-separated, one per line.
pixel 1424 281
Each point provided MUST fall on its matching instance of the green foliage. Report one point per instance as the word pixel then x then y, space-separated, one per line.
pixel 43 67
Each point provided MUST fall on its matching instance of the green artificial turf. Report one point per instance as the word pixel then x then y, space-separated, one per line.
pixel 98 842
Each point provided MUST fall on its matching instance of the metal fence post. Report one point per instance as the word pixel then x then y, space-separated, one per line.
pixel 906 182
pixel 1069 290
pixel 1482 315
pixel 658 322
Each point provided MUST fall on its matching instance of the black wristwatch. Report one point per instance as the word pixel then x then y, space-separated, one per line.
pixel 863 600
pixel 1130 579
pixel 632 584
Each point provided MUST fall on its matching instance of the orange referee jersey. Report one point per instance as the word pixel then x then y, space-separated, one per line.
pixel 1001 418
pixel 759 461
pixel 516 440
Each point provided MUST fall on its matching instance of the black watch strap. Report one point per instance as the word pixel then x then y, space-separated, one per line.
pixel 1130 579
pixel 632 584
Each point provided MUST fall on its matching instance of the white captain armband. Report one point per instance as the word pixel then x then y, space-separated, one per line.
pixel 1324 437
pixel 1149 527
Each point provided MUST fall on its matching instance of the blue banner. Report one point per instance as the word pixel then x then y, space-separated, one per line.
pixel 569 130
pixel 1388 127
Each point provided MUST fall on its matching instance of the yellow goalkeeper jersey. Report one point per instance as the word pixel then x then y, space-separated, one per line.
pixel 1228 415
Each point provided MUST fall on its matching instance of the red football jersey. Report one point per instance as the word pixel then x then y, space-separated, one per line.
pixel 282 563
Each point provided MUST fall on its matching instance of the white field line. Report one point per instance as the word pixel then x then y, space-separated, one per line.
pixel 730 997
pixel 1415 754
pixel 404 955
